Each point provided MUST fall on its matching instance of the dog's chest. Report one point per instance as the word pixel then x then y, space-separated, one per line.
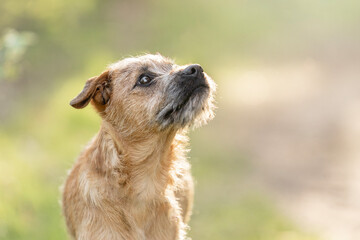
pixel 155 219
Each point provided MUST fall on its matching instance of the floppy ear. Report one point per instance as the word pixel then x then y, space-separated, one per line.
pixel 96 88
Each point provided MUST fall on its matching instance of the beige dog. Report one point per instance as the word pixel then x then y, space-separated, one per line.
pixel 133 180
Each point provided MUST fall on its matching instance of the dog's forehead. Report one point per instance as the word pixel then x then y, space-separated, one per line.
pixel 148 62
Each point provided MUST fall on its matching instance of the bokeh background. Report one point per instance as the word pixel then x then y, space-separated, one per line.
pixel 279 162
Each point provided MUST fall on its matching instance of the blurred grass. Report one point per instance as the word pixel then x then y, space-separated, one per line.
pixel 226 205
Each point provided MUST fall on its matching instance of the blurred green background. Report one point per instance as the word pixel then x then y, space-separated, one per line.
pixel 48 48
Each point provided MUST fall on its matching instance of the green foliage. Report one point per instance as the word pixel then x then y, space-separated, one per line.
pixel 35 154
pixel 12 49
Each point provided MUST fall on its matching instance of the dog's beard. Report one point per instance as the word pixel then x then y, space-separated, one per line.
pixel 186 107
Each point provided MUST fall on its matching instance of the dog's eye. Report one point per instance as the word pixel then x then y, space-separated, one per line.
pixel 144 80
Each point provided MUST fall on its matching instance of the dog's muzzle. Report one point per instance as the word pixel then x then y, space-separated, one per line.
pixel 186 95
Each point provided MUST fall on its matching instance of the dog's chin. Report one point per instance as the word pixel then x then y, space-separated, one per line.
pixel 193 109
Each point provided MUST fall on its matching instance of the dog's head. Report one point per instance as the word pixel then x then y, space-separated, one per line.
pixel 150 92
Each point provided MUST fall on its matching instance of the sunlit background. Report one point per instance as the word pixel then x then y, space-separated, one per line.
pixel 281 160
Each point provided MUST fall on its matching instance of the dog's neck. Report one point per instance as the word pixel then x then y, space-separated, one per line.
pixel 142 164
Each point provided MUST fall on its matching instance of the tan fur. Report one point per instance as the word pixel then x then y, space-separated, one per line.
pixel 133 180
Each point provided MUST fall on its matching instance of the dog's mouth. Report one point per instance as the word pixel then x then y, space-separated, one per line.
pixel 184 106
pixel 198 89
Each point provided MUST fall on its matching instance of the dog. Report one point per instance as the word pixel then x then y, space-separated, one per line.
pixel 133 180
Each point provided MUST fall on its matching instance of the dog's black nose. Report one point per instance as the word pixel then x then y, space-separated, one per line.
pixel 193 70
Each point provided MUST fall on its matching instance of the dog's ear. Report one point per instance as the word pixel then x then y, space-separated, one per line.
pixel 96 88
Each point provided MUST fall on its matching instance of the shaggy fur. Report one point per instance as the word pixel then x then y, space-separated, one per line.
pixel 133 180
